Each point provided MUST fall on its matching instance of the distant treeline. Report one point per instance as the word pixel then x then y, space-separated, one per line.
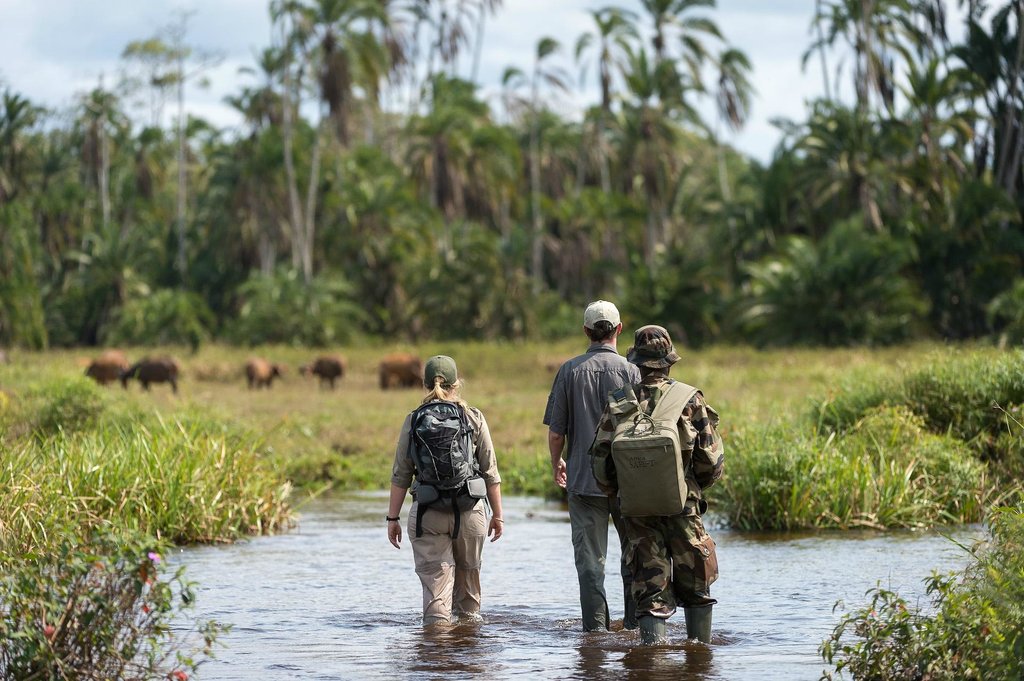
pixel 373 188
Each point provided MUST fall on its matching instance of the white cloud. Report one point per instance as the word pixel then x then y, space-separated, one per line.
pixel 51 49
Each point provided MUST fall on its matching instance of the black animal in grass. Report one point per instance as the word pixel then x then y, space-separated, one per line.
pixel 152 370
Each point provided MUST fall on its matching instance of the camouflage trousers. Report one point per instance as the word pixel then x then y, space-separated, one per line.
pixel 673 562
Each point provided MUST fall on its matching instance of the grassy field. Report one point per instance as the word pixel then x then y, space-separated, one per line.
pixel 346 437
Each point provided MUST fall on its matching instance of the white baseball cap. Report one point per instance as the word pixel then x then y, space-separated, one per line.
pixel 600 311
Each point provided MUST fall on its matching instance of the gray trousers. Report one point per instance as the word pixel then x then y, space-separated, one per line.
pixel 589 519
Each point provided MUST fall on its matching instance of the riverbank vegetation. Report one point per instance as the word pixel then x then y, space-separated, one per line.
pixel 92 492
pixel 973 628
pixel 886 463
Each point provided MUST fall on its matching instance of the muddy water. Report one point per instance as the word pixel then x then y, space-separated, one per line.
pixel 333 600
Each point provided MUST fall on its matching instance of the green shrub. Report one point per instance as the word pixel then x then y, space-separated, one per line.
pixel 282 308
pixel 164 317
pixel 975 629
pixel 845 289
pixel 63 405
pixel 886 472
pixel 97 609
pixel 1006 314
pixel 961 396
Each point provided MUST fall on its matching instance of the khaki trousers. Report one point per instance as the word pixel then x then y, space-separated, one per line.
pixel 448 570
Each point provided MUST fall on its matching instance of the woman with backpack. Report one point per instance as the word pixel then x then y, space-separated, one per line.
pixel 445 454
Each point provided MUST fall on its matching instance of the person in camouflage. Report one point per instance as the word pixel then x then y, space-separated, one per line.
pixel 672 558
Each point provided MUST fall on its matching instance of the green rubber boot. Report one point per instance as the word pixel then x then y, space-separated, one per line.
pixel 629 618
pixel 698 623
pixel 652 630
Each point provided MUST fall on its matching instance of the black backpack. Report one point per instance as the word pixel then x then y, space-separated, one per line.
pixel 442 451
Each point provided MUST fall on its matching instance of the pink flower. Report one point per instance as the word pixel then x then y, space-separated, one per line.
pixel 49 630
pixel 178 675
pixel 154 556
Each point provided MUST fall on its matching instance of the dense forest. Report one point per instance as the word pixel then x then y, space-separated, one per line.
pixel 374 191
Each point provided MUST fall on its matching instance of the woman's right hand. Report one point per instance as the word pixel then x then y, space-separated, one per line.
pixel 395 533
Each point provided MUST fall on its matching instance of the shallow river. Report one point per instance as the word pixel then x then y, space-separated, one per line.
pixel 333 600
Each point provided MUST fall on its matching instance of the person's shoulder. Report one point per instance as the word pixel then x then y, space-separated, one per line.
pixel 474 415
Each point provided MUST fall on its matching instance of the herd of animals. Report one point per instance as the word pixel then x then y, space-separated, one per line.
pixel 399 370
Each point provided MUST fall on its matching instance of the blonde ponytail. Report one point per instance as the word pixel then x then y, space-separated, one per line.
pixel 448 393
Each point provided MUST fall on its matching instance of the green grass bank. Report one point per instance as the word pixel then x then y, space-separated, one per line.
pixel 814 438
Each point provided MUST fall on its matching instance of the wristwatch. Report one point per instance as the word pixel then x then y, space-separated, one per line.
pixel 396 519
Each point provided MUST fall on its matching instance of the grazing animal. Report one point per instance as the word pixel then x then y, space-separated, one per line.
pixel 260 373
pixel 108 367
pixel 401 370
pixel 328 368
pixel 149 370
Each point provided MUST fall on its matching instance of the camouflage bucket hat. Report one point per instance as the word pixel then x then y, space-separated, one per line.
pixel 652 348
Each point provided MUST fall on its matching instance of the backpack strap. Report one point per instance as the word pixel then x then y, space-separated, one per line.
pixel 420 510
pixel 458 517
pixel 673 399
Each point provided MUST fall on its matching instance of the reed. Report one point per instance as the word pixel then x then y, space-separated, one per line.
pixel 183 479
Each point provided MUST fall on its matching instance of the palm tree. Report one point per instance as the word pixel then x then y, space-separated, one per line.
pixel 441 142
pixel 606 50
pixel 552 77
pixel 649 140
pixel 875 30
pixel 17 116
pixel 483 8
pixel 996 58
pixel 334 39
pixel 673 20
pixel 101 117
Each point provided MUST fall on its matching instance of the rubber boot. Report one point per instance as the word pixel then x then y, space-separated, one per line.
pixel 629 617
pixel 652 630
pixel 698 623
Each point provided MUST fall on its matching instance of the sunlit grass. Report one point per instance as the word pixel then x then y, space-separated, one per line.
pixel 778 472
pixel 181 477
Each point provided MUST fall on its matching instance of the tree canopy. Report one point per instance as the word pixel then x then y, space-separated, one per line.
pixel 373 190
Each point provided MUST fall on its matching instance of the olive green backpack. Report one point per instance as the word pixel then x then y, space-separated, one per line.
pixel 646 451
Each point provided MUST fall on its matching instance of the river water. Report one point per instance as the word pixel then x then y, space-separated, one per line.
pixel 334 600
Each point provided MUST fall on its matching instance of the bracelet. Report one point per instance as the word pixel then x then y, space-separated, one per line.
pixel 500 520
pixel 392 520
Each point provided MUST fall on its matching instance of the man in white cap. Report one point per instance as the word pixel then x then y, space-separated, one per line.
pixel 577 399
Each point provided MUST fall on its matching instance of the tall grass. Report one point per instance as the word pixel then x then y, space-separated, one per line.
pixel 959 393
pixel 176 479
pixel 887 471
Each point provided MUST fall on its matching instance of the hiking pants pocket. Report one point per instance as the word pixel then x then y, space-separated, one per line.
pixel 705 563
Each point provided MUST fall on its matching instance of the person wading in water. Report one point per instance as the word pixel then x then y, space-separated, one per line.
pixel 445 446
pixel 574 406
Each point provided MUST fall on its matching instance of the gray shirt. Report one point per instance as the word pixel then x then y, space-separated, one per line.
pixel 575 404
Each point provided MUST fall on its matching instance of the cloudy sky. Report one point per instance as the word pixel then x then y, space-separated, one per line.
pixel 51 49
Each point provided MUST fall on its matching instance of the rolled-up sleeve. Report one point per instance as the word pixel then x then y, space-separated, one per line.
pixel 402 471
pixel 556 414
pixel 485 456
pixel 708 459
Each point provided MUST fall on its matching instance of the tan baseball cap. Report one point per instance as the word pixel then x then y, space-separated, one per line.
pixel 600 311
